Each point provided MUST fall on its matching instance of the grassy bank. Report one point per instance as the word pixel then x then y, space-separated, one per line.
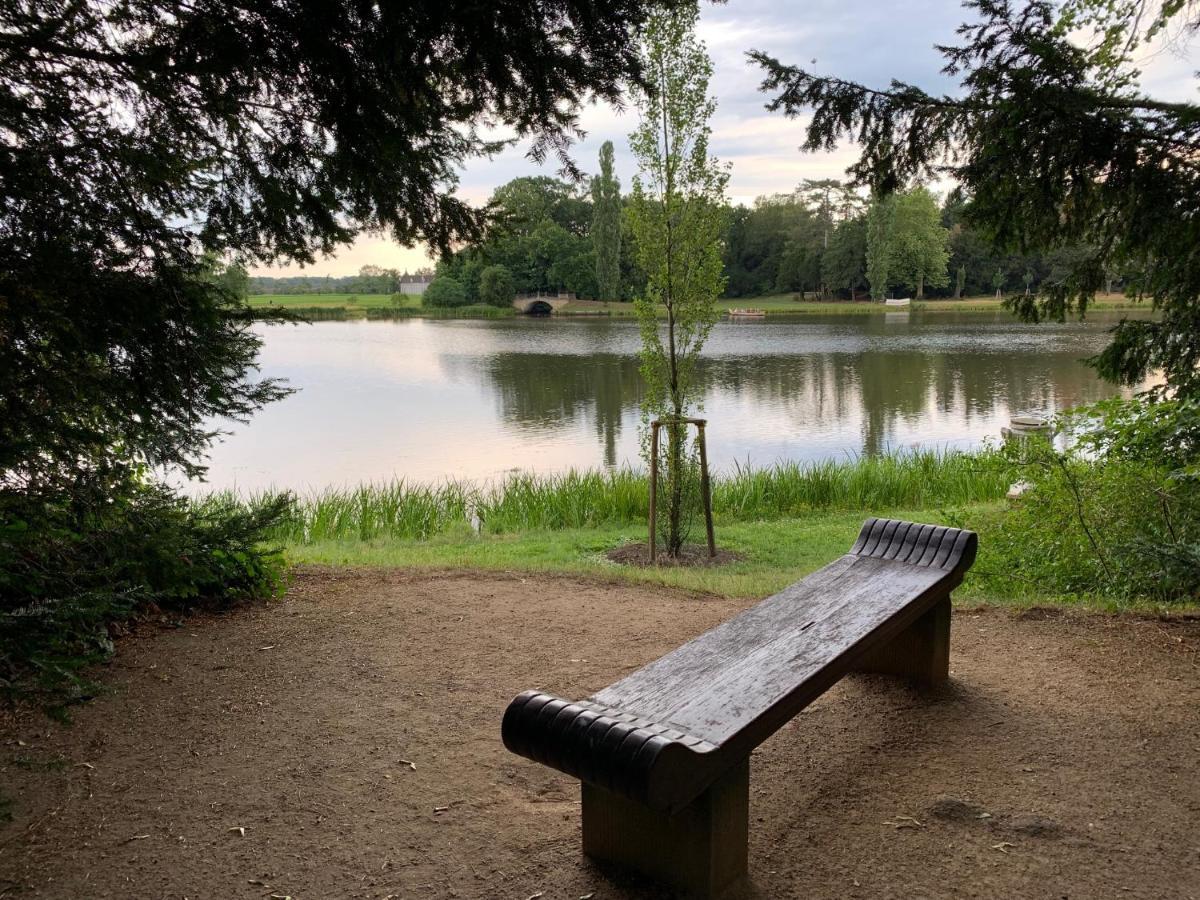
pixel 777 552
pixel 372 306
pixel 788 304
pixel 338 301
pixel 346 307
pixel 591 499
pixel 787 520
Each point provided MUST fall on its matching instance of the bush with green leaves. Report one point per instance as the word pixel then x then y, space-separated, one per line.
pixel 1117 514
pixel 445 292
pixel 496 286
pixel 113 548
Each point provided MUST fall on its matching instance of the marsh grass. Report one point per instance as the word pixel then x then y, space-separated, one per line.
pixel 526 502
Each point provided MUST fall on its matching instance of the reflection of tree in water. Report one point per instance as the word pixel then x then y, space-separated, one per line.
pixel 880 388
pixel 543 390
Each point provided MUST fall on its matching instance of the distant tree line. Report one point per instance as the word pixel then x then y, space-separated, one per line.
pixel 369 280
pixel 823 240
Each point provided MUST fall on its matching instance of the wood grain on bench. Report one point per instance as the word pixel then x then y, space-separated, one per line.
pixel 666 733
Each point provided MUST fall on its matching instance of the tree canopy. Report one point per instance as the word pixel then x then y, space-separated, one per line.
pixel 139 134
pixel 606 226
pixel 146 148
pixel 1056 147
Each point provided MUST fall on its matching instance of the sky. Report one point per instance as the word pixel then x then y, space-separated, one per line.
pixel 861 40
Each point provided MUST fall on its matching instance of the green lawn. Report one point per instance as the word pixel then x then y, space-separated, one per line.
pixel 777 304
pixel 777 553
pixel 774 304
pixel 363 301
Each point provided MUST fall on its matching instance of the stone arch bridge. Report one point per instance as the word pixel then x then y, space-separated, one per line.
pixel 542 304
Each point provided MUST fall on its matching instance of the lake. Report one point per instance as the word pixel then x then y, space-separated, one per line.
pixel 432 399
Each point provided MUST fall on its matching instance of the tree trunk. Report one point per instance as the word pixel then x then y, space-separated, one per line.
pixel 920 287
pixel 675 439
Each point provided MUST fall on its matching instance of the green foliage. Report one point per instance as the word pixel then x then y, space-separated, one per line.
pixel 1117 514
pixel 918 242
pixel 881 220
pixel 496 286
pixel 676 212
pixel 1165 433
pixel 606 227
pixel 112 548
pixel 843 267
pixel 445 292
pixel 1056 147
pixel 524 502
pixel 1114 527
pixel 538 228
pixel 141 142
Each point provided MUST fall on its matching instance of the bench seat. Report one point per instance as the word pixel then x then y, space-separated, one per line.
pixel 662 737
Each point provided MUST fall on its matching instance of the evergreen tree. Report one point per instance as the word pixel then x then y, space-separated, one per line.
pixel 1055 145
pixel 139 135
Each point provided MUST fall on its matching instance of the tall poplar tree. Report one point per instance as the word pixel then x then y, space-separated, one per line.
pixel 676 212
pixel 606 227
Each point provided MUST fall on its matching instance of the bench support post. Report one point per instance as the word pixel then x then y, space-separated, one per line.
pixel 920 652
pixel 702 848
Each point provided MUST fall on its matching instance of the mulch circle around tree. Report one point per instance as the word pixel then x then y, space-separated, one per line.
pixel 692 555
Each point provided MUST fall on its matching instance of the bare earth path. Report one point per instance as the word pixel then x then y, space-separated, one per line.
pixel 265 753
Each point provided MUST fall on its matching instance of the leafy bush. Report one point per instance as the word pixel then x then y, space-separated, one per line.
pixel 113 548
pixel 445 291
pixel 496 286
pixel 1117 514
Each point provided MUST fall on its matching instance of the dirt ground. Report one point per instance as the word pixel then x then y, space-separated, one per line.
pixel 265 753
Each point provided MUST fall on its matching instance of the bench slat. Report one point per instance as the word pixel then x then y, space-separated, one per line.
pixel 720 683
pixel 661 735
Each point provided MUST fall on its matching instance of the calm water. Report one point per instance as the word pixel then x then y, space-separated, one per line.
pixel 427 400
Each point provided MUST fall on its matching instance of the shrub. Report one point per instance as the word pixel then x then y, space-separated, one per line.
pixel 496 286
pixel 113 548
pixel 445 292
pixel 1117 514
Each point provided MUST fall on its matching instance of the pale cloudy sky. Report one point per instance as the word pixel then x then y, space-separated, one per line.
pixel 863 40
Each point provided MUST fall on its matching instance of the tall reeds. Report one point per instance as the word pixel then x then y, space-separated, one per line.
pixel 582 499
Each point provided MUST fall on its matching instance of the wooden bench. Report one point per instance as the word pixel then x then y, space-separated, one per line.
pixel 664 753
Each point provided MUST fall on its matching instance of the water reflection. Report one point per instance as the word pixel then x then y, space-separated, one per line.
pixel 427 400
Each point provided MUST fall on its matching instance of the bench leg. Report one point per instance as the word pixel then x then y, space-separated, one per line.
pixel 920 652
pixel 702 848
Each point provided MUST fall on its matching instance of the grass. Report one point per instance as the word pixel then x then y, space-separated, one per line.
pixel 361 301
pixel 340 307
pixel 522 502
pixel 372 306
pixel 777 553
pixel 787 521
pixel 788 304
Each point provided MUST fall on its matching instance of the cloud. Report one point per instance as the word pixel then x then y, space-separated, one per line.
pixel 861 40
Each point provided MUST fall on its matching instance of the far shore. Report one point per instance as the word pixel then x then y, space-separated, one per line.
pixel 381 306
